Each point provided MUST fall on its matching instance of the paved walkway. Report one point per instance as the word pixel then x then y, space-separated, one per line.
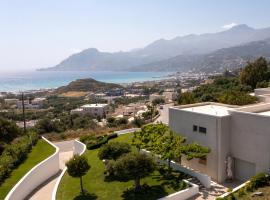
pixel 164 114
pixel 44 192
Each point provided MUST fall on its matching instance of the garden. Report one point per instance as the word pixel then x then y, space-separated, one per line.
pixel 113 168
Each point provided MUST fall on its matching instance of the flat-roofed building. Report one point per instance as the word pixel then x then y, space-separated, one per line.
pixel 95 110
pixel 237 134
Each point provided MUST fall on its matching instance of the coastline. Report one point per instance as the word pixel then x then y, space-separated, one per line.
pixel 39 81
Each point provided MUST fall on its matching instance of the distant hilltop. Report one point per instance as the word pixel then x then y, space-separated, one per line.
pixel 215 51
pixel 87 85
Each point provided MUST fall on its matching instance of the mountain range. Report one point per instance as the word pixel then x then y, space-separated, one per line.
pixel 206 52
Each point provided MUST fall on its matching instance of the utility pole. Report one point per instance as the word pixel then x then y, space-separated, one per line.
pixel 24 123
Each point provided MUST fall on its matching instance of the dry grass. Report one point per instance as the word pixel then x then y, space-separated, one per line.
pixel 73 94
pixel 265 196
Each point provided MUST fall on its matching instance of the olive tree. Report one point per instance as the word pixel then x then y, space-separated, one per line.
pixel 77 167
pixel 134 166
pixel 113 150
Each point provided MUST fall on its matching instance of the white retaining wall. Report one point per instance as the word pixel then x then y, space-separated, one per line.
pixel 126 131
pixel 183 194
pixel 203 178
pixel 78 148
pixel 36 176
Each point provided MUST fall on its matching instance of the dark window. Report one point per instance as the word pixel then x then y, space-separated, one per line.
pixel 195 128
pixel 203 161
pixel 202 130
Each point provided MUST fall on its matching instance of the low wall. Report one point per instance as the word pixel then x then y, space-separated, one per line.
pixel 203 178
pixel 78 148
pixel 234 190
pixel 36 176
pixel 126 131
pixel 183 194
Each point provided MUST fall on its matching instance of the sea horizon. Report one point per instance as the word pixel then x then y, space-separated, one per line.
pixel 16 81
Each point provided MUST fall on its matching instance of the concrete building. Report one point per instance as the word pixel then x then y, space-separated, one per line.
pixel 239 135
pixel 36 103
pixel 95 110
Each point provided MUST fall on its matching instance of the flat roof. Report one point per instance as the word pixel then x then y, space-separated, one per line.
pixel 209 109
pixel 94 105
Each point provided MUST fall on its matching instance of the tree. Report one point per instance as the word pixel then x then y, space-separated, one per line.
pixel 134 166
pixel 158 101
pixel 255 72
pixel 170 146
pixel 113 150
pixel 186 98
pixel 195 150
pixel 78 167
pixel 8 130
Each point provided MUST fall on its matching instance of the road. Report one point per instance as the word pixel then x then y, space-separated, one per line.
pixel 164 114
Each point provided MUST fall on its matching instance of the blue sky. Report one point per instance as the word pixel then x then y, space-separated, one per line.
pixel 37 33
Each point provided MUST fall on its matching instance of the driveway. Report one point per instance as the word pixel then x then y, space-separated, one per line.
pixel 164 114
pixel 45 191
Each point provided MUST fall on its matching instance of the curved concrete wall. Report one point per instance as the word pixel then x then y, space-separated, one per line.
pixel 36 176
pixel 78 148
pixel 183 194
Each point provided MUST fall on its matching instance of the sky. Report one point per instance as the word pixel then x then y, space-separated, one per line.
pixel 37 34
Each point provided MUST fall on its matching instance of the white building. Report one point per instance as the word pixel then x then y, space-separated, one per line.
pixel 95 110
pixel 36 103
pixel 11 101
pixel 240 133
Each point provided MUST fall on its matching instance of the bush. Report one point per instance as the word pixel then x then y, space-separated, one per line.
pixel 113 150
pixel 93 142
pixel 257 181
pixel 14 154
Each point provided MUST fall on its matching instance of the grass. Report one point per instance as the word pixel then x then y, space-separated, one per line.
pixel 40 151
pixel 98 187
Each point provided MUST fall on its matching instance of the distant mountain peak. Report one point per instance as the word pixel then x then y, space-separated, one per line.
pixel 241 27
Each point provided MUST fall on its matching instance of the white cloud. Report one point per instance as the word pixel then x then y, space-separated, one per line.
pixel 229 26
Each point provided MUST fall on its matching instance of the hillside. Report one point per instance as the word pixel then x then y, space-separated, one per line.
pixel 227 58
pixel 87 85
pixel 187 47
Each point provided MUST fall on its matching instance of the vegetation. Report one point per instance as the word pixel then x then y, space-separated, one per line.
pixel 134 166
pixel 114 122
pixel 39 152
pixel 231 88
pixel 158 101
pixel 255 73
pixel 93 142
pixel 77 167
pixel 14 154
pixel 102 187
pixel 113 150
pixel 161 140
pixel 259 181
pixel 86 85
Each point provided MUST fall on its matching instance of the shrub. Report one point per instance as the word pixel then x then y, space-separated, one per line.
pixel 93 142
pixel 111 136
pixel 113 150
pixel 258 180
pixel 14 154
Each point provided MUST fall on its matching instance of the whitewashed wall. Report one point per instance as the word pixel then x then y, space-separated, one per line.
pixel 78 148
pixel 36 176
pixel 183 194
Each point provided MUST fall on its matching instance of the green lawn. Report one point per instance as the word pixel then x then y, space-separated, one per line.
pixel 40 151
pixel 98 187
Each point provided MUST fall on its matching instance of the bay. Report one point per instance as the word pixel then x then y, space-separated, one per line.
pixel 33 80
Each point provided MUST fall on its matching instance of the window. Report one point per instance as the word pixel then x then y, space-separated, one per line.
pixel 202 130
pixel 195 128
pixel 203 161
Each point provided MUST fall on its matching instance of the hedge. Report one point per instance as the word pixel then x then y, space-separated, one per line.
pixel 14 154
pixel 93 142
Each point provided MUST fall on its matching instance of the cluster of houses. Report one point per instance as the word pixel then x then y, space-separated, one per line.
pixel 238 136
pixel 35 103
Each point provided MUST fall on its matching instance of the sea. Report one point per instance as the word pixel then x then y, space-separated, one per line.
pixel 17 81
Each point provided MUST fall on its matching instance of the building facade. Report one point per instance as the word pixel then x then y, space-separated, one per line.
pixel 240 134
